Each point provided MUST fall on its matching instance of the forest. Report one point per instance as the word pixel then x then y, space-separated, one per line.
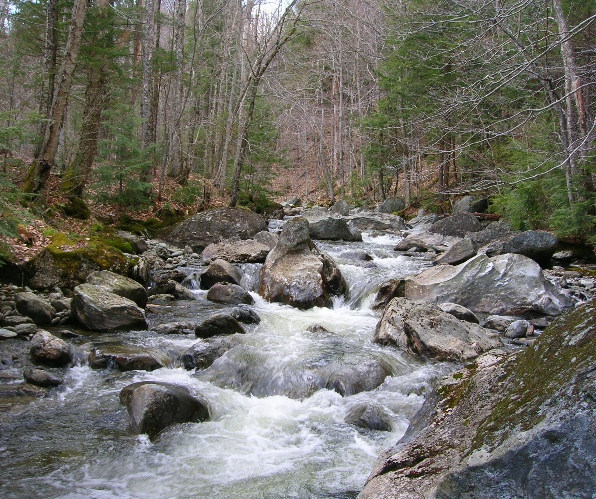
pixel 159 106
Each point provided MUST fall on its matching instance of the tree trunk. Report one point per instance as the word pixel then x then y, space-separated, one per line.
pixel 148 46
pixel 39 171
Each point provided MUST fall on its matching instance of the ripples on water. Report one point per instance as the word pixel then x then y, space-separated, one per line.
pixel 75 443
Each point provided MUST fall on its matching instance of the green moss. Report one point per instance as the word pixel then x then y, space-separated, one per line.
pixel 540 375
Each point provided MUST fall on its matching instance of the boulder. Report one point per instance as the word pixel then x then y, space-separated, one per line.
pixel 424 329
pixel 517 329
pixel 162 277
pixel 49 350
pixel 539 246
pixel 341 208
pixel 458 253
pixel 470 204
pixel 370 417
pixel 125 358
pixel 297 273
pixel 333 229
pixel 101 310
pixel 498 322
pixel 391 205
pixel 119 285
pixel 245 315
pixel 457 225
pixel 246 251
pixel 459 312
pixel 175 328
pixel 220 271
pixel 437 243
pixel 174 289
pixel 203 353
pixel 503 285
pixel 41 377
pixel 154 406
pixel 219 324
pixel 356 256
pixel 35 307
pixel 531 434
pixel 213 226
pixel 229 294
pixel 377 222
pixel 389 290
pixel 495 231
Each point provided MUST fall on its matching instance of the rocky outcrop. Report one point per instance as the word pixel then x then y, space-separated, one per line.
pixel 213 226
pixel 220 271
pixel 119 285
pixel 35 307
pixel 154 406
pixel 297 273
pixel 424 329
pixel 51 351
pixel 101 310
pixel 517 425
pixel 503 285
pixel 229 294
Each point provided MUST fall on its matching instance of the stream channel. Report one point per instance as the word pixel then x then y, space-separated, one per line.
pixel 260 443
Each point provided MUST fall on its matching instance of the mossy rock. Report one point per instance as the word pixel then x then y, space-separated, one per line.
pixel 68 260
pixel 77 208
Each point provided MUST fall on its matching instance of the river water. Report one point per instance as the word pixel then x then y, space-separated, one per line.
pixel 264 440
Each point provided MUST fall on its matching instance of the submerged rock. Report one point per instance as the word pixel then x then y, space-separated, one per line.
pixel 154 406
pixel 530 434
pixel 297 273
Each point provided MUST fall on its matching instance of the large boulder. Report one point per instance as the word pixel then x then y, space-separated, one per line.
pixel 35 307
pixel 458 253
pixel 49 350
pixel 424 329
pixel 504 285
pixel 457 225
pixel 220 271
pixel 119 285
pixel 229 294
pixel 470 204
pixel 333 229
pixel 203 353
pixel 126 358
pixel 101 310
pixel 518 425
pixel 297 273
pixel 391 205
pixel 217 325
pixel 341 208
pixel 215 225
pixel 153 406
pixel 539 246
pixel 246 251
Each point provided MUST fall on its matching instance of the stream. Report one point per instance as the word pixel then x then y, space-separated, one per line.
pixel 260 442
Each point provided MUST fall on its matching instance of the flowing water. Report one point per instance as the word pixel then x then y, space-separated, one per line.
pixel 269 437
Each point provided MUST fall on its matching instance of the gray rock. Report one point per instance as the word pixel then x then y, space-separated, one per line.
pixel 391 205
pixel 341 207
pixel 333 229
pixel 531 434
pixel 502 285
pixel 370 417
pixel 245 251
pixel 154 406
pixel 297 273
pixel 41 377
pixel 49 350
pixel 356 255
pixel 245 315
pixel 437 243
pixel 174 289
pixel 125 358
pixel 119 285
pixel 5 334
pixel 101 310
pixel 215 225
pixel 381 222
pixel 175 328
pixel 426 330
pixel 220 271
pixel 202 354
pixel 61 304
pixel 470 204
pixel 457 225
pixel 35 307
pixel 498 322
pixel 539 246
pixel 25 329
pixel 459 312
pixel 517 329
pixel 229 294
pixel 458 253
pixel 219 324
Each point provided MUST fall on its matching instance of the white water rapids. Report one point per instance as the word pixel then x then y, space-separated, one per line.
pixel 75 443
